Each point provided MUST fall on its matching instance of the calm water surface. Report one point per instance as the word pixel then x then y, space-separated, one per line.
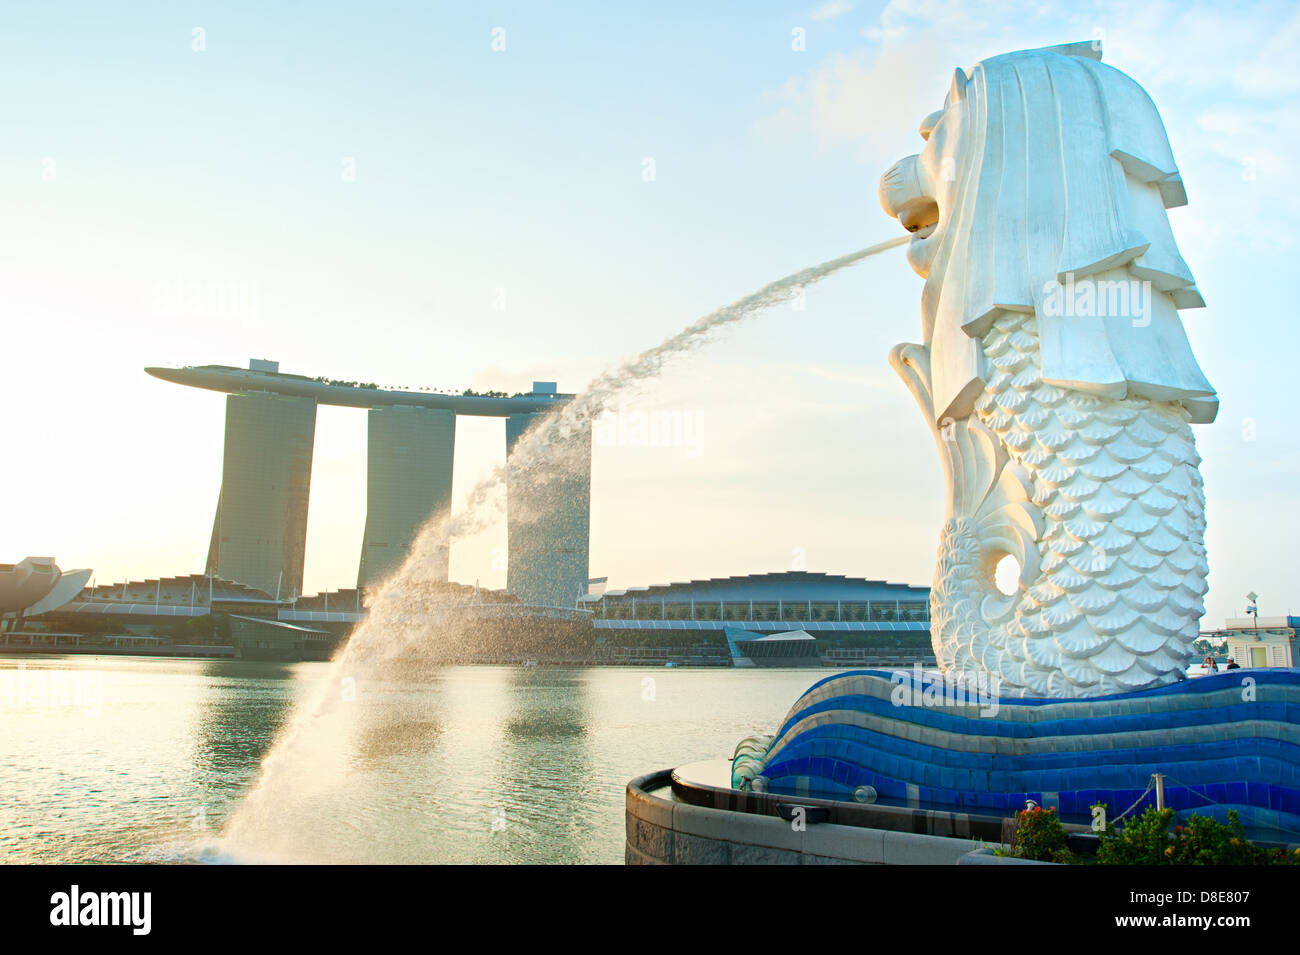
pixel 108 759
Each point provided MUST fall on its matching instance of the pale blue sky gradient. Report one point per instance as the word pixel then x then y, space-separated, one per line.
pixel 131 161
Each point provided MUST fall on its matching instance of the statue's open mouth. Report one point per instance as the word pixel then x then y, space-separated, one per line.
pixel 923 232
pixel 919 216
pixel 903 196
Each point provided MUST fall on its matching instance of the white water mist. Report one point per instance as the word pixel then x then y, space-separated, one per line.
pixel 404 611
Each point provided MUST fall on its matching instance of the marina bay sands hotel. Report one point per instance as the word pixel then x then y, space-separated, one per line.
pixel 260 532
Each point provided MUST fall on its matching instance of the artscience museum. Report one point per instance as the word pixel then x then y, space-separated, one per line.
pixel 35 585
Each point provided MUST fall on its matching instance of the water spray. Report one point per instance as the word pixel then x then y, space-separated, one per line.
pixel 401 611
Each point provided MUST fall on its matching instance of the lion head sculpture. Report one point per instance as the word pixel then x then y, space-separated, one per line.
pixel 1044 168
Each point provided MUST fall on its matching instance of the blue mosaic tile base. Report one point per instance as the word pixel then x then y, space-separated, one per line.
pixel 1230 740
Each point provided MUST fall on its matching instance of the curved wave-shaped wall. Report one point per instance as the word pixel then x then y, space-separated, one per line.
pixel 1228 741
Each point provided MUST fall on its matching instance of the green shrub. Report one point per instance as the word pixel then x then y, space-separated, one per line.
pixel 1201 840
pixel 1039 835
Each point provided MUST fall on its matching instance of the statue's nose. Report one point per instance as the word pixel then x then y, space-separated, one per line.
pixel 900 185
pixel 902 196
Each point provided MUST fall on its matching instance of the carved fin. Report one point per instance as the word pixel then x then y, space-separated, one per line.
pixel 912 362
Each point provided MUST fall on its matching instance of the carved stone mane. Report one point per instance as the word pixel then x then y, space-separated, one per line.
pixel 1043 168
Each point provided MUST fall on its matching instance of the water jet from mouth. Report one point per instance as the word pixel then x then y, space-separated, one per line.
pixel 410 623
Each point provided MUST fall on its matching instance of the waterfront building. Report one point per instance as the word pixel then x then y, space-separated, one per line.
pixel 548 518
pixel 408 482
pixel 259 535
pixel 34 586
pixel 784 619
pixel 853 620
pixel 191 595
pixel 193 615
pixel 1258 642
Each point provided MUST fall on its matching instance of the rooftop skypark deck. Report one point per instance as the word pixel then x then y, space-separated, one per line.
pixel 230 380
pixel 260 530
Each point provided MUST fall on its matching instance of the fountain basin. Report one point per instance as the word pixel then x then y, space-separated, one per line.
pixel 691 816
pixel 1227 742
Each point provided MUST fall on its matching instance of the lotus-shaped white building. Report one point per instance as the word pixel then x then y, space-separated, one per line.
pixel 35 585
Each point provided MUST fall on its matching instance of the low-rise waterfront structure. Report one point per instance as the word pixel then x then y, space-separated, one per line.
pixel 849 619
pixel 1259 641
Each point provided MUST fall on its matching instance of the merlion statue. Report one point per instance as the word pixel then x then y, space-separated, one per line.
pixel 1061 389
pixel 1057 377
